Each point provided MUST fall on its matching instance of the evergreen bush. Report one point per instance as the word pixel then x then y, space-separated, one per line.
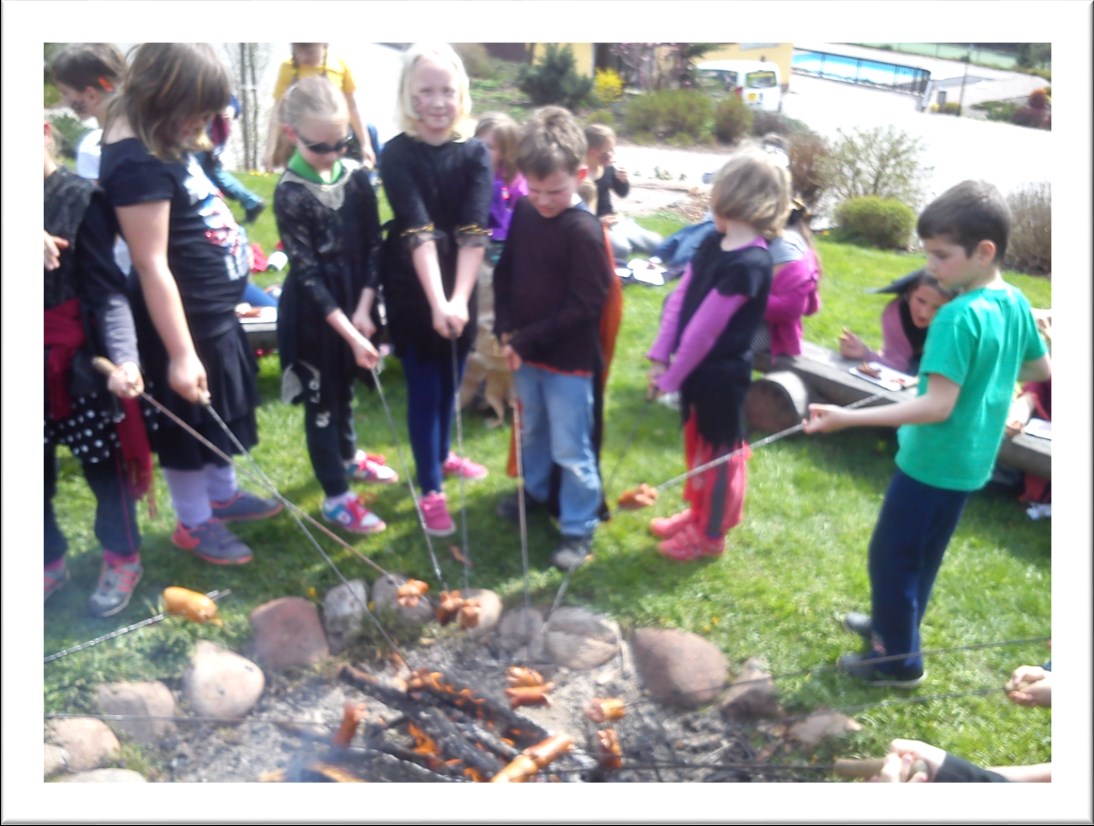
pixel 555 79
pixel 885 223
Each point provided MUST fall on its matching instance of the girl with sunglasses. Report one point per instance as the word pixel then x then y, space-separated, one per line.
pixel 330 226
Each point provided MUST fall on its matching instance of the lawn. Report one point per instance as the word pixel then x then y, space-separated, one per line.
pixel 796 562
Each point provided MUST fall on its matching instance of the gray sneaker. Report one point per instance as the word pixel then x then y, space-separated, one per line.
pixel 855 622
pixel 212 542
pixel 245 507
pixel 572 553
pixel 115 589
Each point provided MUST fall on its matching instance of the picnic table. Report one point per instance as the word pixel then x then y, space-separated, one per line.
pixel 781 399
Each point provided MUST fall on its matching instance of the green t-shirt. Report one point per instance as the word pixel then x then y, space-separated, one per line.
pixel 978 341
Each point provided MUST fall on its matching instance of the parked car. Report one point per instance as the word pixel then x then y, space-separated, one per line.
pixel 755 82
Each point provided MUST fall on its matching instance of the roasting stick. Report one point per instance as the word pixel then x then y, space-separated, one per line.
pixel 462 481
pixel 106 367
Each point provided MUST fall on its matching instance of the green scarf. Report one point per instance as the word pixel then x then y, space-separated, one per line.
pixel 306 171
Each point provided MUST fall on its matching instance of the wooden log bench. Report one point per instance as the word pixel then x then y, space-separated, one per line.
pixel 781 399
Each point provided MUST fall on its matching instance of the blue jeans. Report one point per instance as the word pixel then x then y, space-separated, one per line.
pixel 910 538
pixel 228 183
pixel 430 405
pixel 556 411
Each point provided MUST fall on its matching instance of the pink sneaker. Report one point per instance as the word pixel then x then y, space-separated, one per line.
pixel 370 467
pixel 463 467
pixel 689 544
pixel 435 514
pixel 353 516
pixel 666 527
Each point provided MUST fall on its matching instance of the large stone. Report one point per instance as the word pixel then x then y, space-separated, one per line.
pixel 88 742
pixel 146 703
pixel 752 694
pixel 221 683
pixel 344 609
pixel 520 634
pixel 679 668
pixel 820 725
pixel 106 776
pixel 288 634
pixel 489 607
pixel 577 639
pixel 56 760
pixel 385 598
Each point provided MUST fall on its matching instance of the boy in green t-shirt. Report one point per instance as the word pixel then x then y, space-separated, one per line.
pixel 977 347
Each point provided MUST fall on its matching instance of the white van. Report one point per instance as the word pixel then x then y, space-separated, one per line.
pixel 755 82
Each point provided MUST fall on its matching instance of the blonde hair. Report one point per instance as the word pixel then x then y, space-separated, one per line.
pixel 506 132
pixel 440 54
pixel 551 140
pixel 313 97
pixel 165 85
pixel 598 134
pixel 752 188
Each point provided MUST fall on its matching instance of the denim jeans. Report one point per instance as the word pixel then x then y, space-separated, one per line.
pixel 430 405
pixel 556 411
pixel 906 549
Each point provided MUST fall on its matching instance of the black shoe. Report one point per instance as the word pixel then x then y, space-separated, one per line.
pixel 253 212
pixel 509 507
pixel 855 622
pixel 863 667
pixel 572 553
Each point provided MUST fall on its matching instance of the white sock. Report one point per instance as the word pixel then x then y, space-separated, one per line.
pixel 341 499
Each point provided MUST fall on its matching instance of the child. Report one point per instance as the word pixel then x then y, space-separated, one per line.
pixel 88 75
pixel 219 129
pixel 86 312
pixel 627 236
pixel 192 261
pixel 904 323
pixel 439 189
pixel 550 288
pixel 794 286
pixel 328 220
pixel 978 345
pixel 314 60
pixel 703 349
pixel 1034 398
pixel 485 365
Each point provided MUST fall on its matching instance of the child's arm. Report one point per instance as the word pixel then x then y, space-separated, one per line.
pixel 363 352
pixel 661 351
pixel 791 285
pixel 468 262
pixel 710 319
pixel 145 228
pixel 362 315
pixel 935 405
pixel 620 183
pixel 54 245
pixel 1036 370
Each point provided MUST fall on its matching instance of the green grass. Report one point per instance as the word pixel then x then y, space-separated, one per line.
pixel 797 560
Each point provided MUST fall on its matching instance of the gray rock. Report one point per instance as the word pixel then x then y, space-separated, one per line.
pixel 344 610
pixel 679 668
pixel 88 742
pixel 288 634
pixel 144 699
pixel 821 725
pixel 752 694
pixel 385 599
pixel 106 776
pixel 520 635
pixel 56 760
pixel 578 639
pixel 221 683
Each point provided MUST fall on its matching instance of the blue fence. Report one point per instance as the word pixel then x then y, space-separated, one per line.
pixel 876 73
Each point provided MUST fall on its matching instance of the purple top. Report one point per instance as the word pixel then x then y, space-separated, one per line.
pixel 896 350
pixel 501 207
pixel 793 295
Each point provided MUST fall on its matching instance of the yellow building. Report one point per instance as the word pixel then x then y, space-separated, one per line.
pixel 591 56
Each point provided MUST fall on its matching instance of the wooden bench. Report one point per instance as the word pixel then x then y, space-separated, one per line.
pixel 820 374
pixel 262 330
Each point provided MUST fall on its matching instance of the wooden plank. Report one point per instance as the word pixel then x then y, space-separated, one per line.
pixel 826 374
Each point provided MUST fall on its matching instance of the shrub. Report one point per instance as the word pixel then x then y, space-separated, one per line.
pixel 764 122
pixel 885 223
pixel 682 115
pixel 1029 248
pixel 554 79
pixel 810 167
pixel 475 59
pixel 881 161
pixel 732 120
pixel 950 107
pixel 1039 99
pixel 605 116
pixel 608 85
pixel 1028 116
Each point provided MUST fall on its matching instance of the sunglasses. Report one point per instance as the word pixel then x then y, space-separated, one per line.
pixel 323 148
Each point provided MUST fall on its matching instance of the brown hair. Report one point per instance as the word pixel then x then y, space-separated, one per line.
pixel 598 134
pixel 753 188
pixel 506 135
pixel 966 214
pixel 165 85
pixel 551 140
pixel 89 64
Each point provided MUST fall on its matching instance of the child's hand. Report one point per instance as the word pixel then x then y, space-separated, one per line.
pixel 364 353
pixel 54 245
pixel 610 219
pixel 657 369
pixel 458 314
pixel 512 358
pixel 899 766
pixel 126 381
pixel 186 376
pixel 362 320
pixel 851 346
pixel 1030 685
pixel 825 418
pixel 621 173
